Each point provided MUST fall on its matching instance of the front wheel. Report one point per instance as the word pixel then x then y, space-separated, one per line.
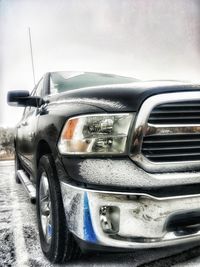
pixel 57 242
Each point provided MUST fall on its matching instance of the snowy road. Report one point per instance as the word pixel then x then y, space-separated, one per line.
pixel 19 244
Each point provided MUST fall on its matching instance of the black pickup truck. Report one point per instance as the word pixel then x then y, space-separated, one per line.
pixel 112 162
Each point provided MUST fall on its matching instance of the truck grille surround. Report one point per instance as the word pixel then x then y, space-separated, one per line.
pixel 179 145
pixel 167 133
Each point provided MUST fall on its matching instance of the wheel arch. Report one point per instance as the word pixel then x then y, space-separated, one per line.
pixel 43 148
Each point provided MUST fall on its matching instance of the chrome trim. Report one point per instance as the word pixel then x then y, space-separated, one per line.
pixel 29 187
pixel 164 129
pixel 142 128
pixel 142 220
pixel 74 187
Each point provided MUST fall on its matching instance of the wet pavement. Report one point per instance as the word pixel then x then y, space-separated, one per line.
pixel 19 241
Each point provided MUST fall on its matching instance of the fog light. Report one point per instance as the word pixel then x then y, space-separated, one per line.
pixel 109 219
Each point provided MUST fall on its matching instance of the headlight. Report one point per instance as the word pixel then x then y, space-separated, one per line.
pixel 95 134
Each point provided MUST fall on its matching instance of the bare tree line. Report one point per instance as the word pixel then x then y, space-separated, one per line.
pixel 6 143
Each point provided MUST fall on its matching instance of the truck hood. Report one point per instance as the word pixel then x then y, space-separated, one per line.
pixel 123 97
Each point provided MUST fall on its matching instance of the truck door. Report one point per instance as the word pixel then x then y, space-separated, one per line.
pixel 30 128
pixel 20 141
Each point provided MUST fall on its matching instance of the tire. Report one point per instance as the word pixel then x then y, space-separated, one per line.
pixel 17 167
pixel 57 243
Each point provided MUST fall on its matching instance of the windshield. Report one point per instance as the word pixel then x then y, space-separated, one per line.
pixel 64 81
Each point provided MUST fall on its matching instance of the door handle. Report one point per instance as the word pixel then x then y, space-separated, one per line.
pixel 25 123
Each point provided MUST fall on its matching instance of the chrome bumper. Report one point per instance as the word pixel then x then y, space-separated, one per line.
pixel 126 220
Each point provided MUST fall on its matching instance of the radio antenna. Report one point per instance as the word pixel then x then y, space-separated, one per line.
pixel 31 51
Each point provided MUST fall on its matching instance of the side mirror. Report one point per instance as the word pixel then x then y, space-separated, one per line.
pixel 23 99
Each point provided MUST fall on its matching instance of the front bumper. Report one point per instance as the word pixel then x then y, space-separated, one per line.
pixel 130 220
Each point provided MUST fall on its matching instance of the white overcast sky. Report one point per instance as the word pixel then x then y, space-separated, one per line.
pixel 147 39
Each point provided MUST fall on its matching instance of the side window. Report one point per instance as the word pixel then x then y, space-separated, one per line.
pixel 26 109
pixel 39 89
pixel 53 88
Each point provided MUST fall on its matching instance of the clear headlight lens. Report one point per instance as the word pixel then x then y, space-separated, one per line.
pixel 95 134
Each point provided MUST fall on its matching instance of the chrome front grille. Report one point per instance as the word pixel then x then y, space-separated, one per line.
pixel 167 133
pixel 175 143
pixel 187 112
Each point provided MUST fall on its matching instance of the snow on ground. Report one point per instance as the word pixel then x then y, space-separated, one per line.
pixel 19 241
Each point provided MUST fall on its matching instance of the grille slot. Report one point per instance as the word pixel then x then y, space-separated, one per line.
pixel 160 148
pixel 176 113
